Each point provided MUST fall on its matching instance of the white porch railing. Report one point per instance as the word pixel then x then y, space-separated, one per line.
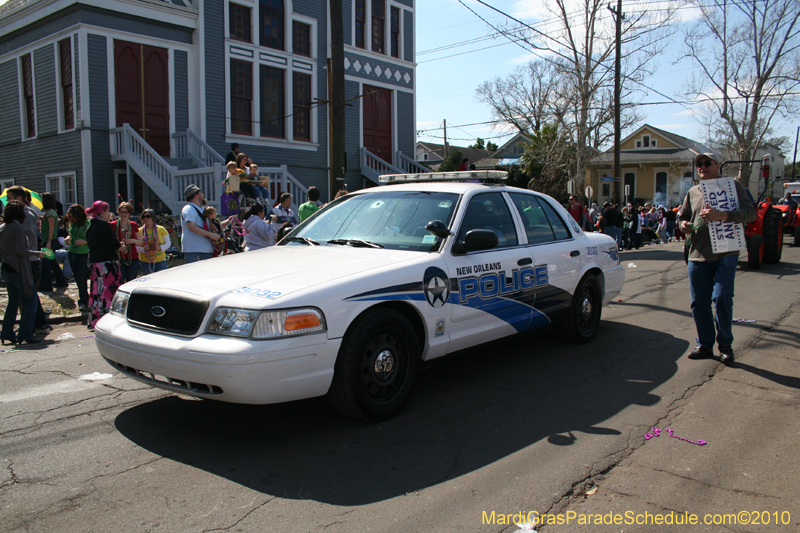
pixel 281 181
pixel 408 165
pixel 166 181
pixel 189 145
pixel 373 166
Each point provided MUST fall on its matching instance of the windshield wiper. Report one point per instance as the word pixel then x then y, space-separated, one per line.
pixel 306 240
pixel 358 243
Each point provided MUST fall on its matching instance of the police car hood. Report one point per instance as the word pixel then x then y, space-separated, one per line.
pixel 279 269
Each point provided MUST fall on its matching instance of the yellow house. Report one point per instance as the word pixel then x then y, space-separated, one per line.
pixel 656 166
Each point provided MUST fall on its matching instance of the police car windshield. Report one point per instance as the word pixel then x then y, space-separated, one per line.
pixel 393 219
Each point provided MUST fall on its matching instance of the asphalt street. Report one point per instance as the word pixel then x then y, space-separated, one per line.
pixel 531 426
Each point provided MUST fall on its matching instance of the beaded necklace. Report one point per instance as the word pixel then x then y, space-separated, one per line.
pixel 122 235
pixel 150 244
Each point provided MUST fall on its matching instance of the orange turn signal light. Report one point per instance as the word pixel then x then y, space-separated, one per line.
pixel 301 321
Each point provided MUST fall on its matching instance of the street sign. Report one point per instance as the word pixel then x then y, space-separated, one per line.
pixel 608 178
pixel 589 192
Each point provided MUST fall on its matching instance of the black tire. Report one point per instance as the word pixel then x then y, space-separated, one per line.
pixel 363 387
pixel 754 251
pixel 797 235
pixel 583 319
pixel 773 235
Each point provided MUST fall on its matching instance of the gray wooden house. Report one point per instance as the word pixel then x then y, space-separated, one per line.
pixel 138 98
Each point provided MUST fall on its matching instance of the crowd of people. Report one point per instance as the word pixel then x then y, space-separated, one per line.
pixel 633 226
pixel 41 250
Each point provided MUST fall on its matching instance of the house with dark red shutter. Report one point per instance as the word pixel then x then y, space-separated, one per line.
pixel 139 98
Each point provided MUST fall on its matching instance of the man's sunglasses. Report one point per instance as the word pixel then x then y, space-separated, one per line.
pixel 707 163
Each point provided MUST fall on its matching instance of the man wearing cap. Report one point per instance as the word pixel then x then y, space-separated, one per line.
pixel 711 275
pixel 195 243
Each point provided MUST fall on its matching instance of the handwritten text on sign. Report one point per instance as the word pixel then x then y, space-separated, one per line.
pixel 720 194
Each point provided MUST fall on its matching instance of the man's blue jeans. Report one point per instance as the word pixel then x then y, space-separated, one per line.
pixel 191 257
pixel 712 281
pixel 16 294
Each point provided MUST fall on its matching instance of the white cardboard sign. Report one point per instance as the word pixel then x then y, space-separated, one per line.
pixel 721 194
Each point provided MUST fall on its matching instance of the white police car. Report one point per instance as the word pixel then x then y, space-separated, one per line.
pixel 354 299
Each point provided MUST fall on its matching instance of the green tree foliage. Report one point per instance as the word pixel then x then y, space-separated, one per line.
pixel 452 161
pixel 477 144
pixel 490 146
pixel 548 160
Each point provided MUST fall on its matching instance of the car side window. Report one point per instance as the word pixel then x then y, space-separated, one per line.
pixel 556 222
pixel 489 211
pixel 537 225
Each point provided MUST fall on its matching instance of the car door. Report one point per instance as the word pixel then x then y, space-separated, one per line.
pixel 490 299
pixel 557 259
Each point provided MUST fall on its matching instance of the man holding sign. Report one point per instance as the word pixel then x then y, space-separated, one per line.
pixel 712 218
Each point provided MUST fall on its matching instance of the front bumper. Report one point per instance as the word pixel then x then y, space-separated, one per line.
pixel 223 368
pixel 614 281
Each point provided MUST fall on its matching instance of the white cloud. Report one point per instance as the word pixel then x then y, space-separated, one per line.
pixel 685 112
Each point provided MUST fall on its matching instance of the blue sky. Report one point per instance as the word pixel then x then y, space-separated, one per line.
pixel 446 80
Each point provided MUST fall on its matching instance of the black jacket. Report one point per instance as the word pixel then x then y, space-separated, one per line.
pixel 103 244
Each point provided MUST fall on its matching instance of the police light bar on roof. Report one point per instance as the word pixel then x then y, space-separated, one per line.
pixel 470 175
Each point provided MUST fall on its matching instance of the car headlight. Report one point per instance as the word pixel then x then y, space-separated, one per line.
pixel 290 322
pixel 236 322
pixel 119 304
pixel 266 324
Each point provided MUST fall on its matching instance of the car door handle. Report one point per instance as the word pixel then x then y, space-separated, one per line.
pixel 574 253
pixel 525 261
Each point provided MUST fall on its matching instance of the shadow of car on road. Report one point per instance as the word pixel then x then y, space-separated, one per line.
pixel 466 412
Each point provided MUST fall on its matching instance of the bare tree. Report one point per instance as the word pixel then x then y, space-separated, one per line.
pixel 526 99
pixel 749 54
pixel 580 52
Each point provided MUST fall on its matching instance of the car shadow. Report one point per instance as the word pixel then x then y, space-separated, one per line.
pixel 466 412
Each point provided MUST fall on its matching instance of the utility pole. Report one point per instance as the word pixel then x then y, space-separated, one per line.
pixel 445 139
pixel 336 99
pixel 617 90
pixel 794 158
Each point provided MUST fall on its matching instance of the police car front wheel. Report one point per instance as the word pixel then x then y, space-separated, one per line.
pixel 376 366
pixel 583 318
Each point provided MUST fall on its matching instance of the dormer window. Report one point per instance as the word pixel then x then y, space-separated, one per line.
pixel 645 141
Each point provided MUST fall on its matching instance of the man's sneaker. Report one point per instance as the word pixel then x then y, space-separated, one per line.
pixel 726 355
pixel 701 352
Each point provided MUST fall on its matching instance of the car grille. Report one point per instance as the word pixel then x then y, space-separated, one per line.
pixel 182 313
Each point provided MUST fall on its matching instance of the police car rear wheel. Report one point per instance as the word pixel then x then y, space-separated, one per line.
pixel 583 319
pixel 376 367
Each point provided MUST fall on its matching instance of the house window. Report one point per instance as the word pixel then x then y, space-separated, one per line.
pixel 638 144
pixel 661 187
pixel 361 22
pixel 27 94
pixel 645 141
pixel 63 187
pixel 653 143
pixel 273 102
pixel 378 22
pixel 395 44
pixel 301 39
pixel 241 97
pixel 65 63
pixel 272 24
pixel 302 106
pixel 240 25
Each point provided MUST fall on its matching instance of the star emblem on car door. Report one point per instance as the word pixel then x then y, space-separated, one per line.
pixel 436 287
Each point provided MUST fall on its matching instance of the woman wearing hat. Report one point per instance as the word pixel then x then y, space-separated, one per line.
pixel 103 261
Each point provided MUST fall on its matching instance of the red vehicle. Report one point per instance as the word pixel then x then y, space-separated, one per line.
pixel 790 210
pixel 764 235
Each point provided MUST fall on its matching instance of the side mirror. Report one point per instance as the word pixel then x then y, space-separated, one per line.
pixel 438 228
pixel 480 239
